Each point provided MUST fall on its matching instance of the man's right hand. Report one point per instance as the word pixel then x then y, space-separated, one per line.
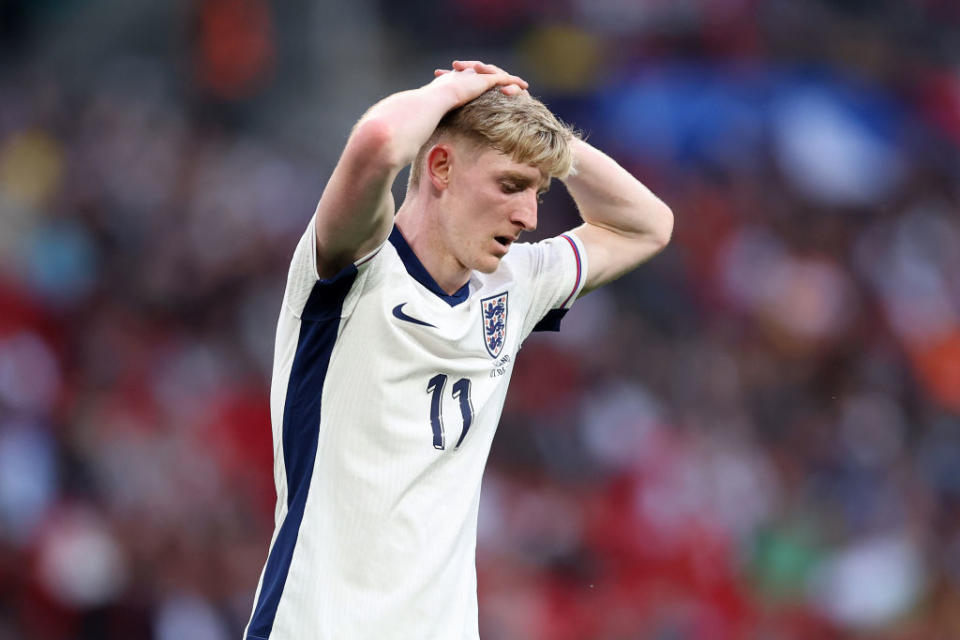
pixel 355 212
pixel 471 78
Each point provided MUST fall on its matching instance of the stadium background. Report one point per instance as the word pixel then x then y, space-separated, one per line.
pixel 755 436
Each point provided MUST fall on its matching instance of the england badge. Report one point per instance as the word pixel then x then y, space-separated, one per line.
pixel 494 310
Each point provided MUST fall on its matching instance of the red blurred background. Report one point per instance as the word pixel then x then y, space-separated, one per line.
pixel 754 436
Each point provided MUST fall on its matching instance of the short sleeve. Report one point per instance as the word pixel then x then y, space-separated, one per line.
pixel 302 274
pixel 558 270
pixel 304 283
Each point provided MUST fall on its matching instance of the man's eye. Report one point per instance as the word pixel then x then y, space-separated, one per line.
pixel 540 195
pixel 509 187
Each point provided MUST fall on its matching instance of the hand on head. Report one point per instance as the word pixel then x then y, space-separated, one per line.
pixel 484 75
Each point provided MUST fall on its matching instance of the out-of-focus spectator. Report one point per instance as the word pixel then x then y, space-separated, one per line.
pixel 757 435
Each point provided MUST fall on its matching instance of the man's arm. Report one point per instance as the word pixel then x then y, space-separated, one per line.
pixel 624 225
pixel 356 210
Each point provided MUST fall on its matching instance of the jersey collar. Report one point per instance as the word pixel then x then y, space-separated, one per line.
pixel 416 269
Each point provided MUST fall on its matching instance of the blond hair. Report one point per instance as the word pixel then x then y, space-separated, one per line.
pixel 519 126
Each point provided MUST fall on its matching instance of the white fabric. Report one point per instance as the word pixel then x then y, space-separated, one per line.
pixel 387 543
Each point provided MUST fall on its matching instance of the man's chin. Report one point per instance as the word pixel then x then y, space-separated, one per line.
pixel 488 264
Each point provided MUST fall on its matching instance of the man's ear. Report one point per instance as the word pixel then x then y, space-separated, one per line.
pixel 439 164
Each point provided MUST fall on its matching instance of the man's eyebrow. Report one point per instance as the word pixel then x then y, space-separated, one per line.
pixel 523 181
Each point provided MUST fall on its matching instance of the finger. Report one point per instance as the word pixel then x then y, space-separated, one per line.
pixel 476 65
pixel 500 77
pixel 491 68
pixel 494 78
pixel 507 79
pixel 439 72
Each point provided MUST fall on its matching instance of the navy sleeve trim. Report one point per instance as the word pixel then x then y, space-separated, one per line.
pixel 301 432
pixel 326 298
pixel 551 321
pixel 576 284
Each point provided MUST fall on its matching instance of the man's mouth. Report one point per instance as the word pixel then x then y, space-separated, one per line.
pixel 504 240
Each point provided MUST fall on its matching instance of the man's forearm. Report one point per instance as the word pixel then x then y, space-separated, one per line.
pixel 356 209
pixel 408 119
pixel 609 197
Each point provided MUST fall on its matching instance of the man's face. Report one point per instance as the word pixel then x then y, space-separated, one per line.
pixel 489 201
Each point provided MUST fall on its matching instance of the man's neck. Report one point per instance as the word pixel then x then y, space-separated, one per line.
pixel 420 228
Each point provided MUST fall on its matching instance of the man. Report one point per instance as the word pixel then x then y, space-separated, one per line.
pixel 396 342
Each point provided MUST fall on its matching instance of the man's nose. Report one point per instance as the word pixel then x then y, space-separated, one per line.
pixel 526 214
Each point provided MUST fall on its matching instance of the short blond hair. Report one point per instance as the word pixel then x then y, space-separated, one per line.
pixel 519 126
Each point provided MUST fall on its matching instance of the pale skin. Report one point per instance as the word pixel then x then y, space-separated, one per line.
pixel 471 204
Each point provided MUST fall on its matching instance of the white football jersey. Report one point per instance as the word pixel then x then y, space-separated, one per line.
pixel 386 394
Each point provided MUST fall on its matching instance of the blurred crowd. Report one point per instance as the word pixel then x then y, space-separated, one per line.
pixel 755 436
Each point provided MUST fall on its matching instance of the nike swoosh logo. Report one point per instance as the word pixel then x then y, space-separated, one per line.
pixel 398 313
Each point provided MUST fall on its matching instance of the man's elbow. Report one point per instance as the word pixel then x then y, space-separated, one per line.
pixel 374 142
pixel 661 225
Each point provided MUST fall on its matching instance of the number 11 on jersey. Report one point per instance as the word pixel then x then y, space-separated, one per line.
pixel 461 392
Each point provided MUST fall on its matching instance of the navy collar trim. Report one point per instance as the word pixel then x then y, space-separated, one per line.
pixel 416 269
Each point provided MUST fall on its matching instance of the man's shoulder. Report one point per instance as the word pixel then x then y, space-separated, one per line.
pixel 526 255
pixel 513 273
pixel 524 259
